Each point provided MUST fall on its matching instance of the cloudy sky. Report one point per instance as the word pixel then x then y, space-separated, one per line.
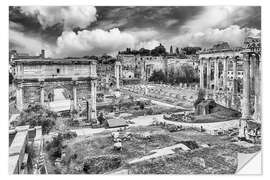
pixel 86 30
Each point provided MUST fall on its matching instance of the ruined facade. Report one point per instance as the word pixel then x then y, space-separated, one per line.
pixel 244 65
pixel 37 78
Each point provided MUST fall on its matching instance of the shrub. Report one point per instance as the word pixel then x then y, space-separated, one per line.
pixel 37 115
pixel 101 164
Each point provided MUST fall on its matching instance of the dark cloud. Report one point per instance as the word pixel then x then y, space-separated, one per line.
pixel 252 18
pixel 139 26
pixel 145 17
pixel 31 25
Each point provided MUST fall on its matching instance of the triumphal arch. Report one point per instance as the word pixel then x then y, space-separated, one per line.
pixel 38 80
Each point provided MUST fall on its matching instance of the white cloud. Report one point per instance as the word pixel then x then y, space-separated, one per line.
pixel 217 17
pixel 146 34
pixel 147 44
pixel 28 44
pixel 234 35
pixel 70 16
pixel 93 42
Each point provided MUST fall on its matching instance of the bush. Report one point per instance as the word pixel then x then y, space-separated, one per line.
pixel 37 115
pixel 54 147
pixel 101 164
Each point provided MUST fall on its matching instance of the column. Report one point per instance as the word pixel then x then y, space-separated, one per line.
pixel 107 81
pixel 201 74
pixel 257 84
pixel 234 92
pixel 19 96
pixel 93 100
pixel 246 88
pixel 117 73
pixel 252 73
pixel 208 77
pixel 74 89
pixel 225 79
pixel 216 74
pixel 225 74
pixel 42 92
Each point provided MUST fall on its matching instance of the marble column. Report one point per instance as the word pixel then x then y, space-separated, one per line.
pixel 225 80
pixel 19 96
pixel 235 87
pixel 74 88
pixel 93 100
pixel 246 88
pixel 225 74
pixel 201 74
pixel 252 74
pixel 42 92
pixel 257 84
pixel 208 77
pixel 117 73
pixel 216 74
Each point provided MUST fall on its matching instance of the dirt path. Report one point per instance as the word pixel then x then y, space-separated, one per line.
pixel 160 152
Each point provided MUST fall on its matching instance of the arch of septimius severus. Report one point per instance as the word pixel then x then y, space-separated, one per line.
pixel 215 62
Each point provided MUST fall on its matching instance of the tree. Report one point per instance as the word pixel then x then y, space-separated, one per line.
pixel 10 78
pixel 177 51
pixel 171 50
pixel 157 76
pixel 191 50
pixel 37 115
pixel 101 118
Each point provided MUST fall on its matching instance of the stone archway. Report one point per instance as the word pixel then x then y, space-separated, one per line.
pixel 52 91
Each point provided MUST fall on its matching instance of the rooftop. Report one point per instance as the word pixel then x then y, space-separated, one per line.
pixel 38 61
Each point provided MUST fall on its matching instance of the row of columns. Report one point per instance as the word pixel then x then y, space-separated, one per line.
pixel 251 81
pixel 216 75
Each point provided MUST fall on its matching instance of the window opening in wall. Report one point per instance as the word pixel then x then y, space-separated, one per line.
pixel 58 70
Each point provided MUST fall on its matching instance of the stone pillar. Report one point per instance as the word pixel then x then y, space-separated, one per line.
pixel 42 92
pixel 19 96
pixel 246 88
pixel 225 74
pixel 93 114
pixel 208 80
pixel 225 80
pixel 234 92
pixel 201 74
pixel 117 73
pixel 107 81
pixel 257 84
pixel 252 74
pixel 216 74
pixel 75 95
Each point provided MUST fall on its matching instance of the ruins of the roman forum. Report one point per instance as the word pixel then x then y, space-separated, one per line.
pixel 160 110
